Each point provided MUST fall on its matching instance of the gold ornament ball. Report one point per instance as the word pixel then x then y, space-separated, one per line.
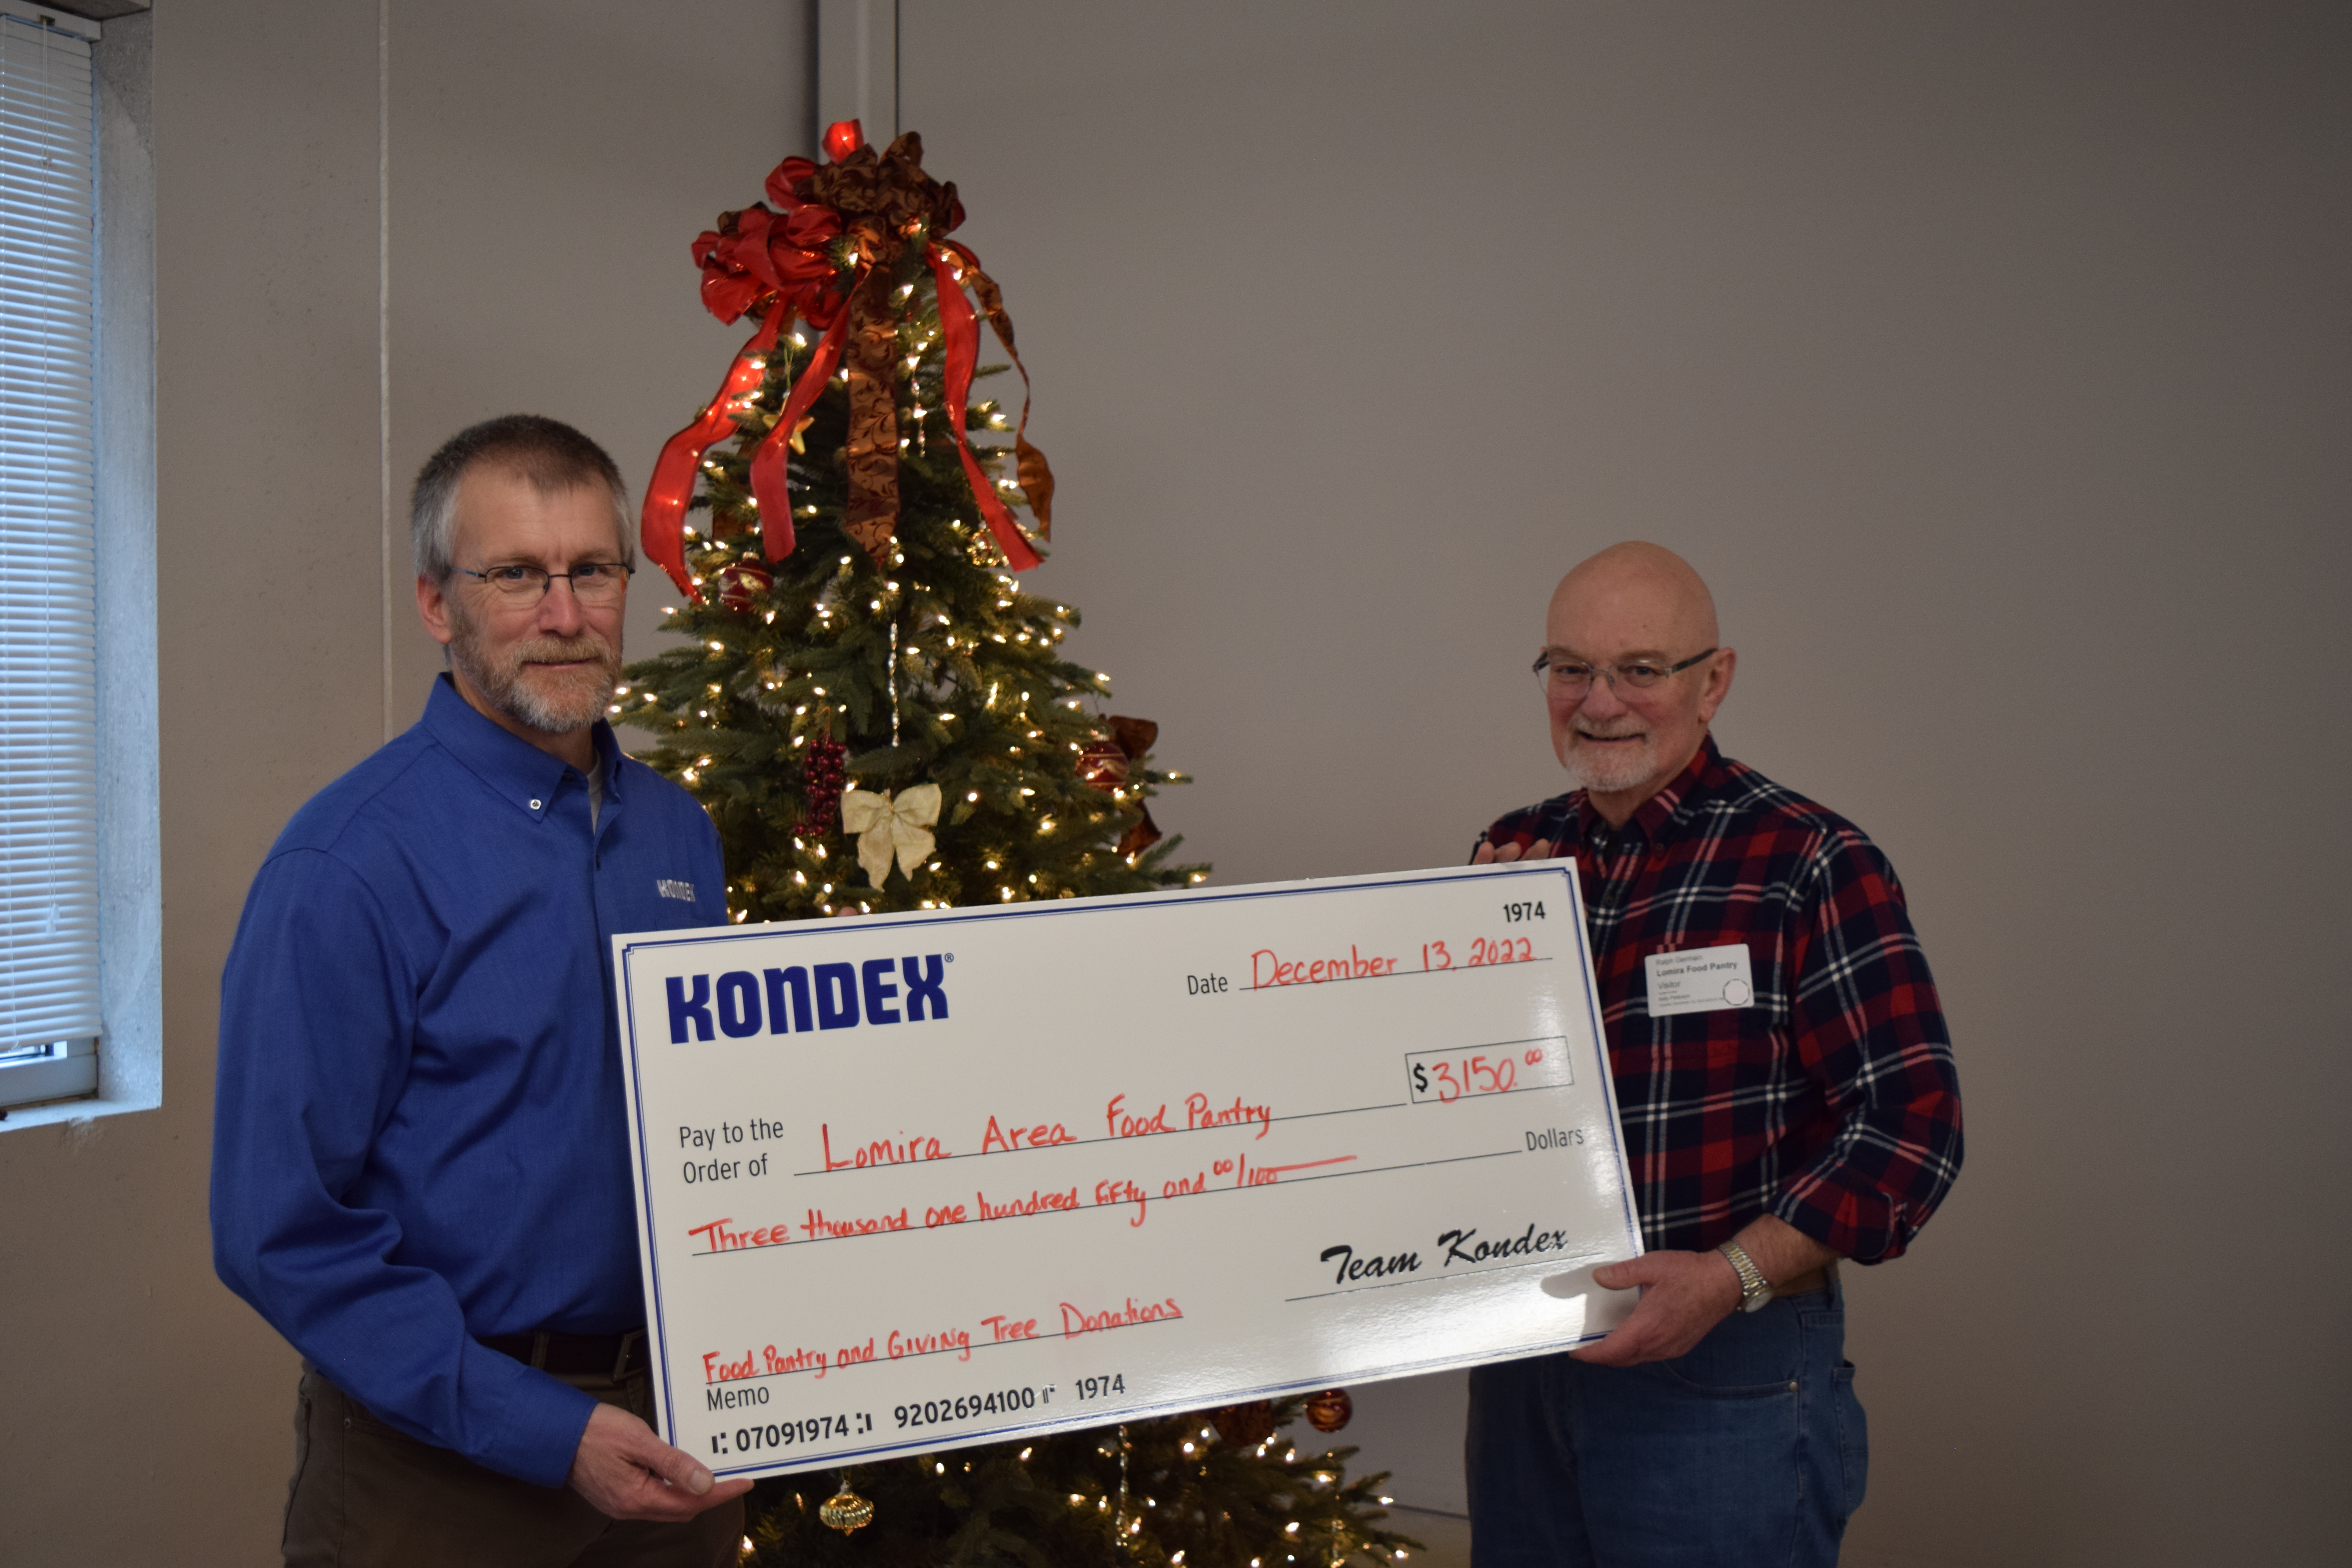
pixel 845 1511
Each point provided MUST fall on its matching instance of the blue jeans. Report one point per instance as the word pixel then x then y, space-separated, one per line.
pixel 1750 1450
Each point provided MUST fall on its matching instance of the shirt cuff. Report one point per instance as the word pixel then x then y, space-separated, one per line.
pixel 536 1434
pixel 1858 1227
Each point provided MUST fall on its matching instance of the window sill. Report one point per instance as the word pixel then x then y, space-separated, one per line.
pixel 36 1083
pixel 72 1089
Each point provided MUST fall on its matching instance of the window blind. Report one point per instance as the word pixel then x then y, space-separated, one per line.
pixel 49 820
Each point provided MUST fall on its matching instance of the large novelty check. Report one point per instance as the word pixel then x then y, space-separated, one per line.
pixel 911 1182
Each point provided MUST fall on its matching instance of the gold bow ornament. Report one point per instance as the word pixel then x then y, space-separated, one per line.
pixel 887 827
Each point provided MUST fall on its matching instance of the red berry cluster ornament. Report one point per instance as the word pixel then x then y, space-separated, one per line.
pixel 825 772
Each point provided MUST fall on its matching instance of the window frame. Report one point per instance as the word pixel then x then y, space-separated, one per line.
pixel 129 1047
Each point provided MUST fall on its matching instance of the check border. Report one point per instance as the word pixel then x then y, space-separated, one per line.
pixel 626 947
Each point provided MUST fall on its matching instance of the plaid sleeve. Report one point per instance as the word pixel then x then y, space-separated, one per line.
pixel 1524 827
pixel 1869 1031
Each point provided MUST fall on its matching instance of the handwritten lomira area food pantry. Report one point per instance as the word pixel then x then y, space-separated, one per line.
pixel 912 1182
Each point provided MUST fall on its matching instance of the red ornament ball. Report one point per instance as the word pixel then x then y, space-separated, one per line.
pixel 1330 1410
pixel 743 585
pixel 1104 765
pixel 842 137
pixel 1244 1426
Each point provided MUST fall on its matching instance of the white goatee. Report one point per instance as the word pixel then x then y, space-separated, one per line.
pixel 1605 769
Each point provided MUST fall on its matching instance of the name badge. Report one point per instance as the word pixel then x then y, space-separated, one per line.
pixel 1708 980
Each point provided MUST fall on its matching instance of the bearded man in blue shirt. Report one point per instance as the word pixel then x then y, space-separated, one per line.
pixel 420 1165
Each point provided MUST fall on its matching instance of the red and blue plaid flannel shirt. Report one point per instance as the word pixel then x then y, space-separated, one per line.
pixel 1830 1100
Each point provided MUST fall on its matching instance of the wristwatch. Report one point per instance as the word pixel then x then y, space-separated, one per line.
pixel 1754 1290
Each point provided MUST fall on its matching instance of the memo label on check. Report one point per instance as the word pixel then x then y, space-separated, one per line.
pixel 1120 1158
pixel 1706 980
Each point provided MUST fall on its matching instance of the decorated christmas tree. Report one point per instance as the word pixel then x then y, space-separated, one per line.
pixel 847 557
pixel 1230 1489
pixel 879 718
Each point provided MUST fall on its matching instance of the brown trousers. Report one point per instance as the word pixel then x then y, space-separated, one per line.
pixel 364 1495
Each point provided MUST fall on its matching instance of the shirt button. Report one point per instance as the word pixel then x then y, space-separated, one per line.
pixel 534 805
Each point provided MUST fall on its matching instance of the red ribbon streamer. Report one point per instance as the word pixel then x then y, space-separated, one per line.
pixel 959 335
pixel 662 520
pixel 770 481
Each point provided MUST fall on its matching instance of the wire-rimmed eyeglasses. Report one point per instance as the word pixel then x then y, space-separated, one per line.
pixel 593 581
pixel 1563 675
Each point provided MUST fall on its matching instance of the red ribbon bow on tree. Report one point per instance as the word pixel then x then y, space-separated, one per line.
pixel 829 256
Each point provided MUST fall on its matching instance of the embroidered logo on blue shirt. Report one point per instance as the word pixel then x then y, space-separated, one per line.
pixel 671 888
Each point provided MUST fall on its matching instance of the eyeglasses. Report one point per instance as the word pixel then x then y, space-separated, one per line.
pixel 593 581
pixel 1564 676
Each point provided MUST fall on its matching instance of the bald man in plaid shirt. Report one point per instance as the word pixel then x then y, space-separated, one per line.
pixel 1804 1116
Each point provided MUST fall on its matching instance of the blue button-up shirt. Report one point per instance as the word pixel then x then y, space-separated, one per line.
pixel 420 1136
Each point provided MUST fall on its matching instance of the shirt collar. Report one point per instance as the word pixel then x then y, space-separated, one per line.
pixel 608 747
pixel 1658 813
pixel 515 769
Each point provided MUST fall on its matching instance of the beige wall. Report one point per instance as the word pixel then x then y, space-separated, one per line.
pixel 1989 359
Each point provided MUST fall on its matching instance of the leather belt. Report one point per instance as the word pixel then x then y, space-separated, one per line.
pixel 608 1355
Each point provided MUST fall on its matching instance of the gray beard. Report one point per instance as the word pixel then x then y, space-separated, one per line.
pixel 1606 772
pixel 552 705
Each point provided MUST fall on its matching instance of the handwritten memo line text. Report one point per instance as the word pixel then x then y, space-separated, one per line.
pixel 1077 1322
